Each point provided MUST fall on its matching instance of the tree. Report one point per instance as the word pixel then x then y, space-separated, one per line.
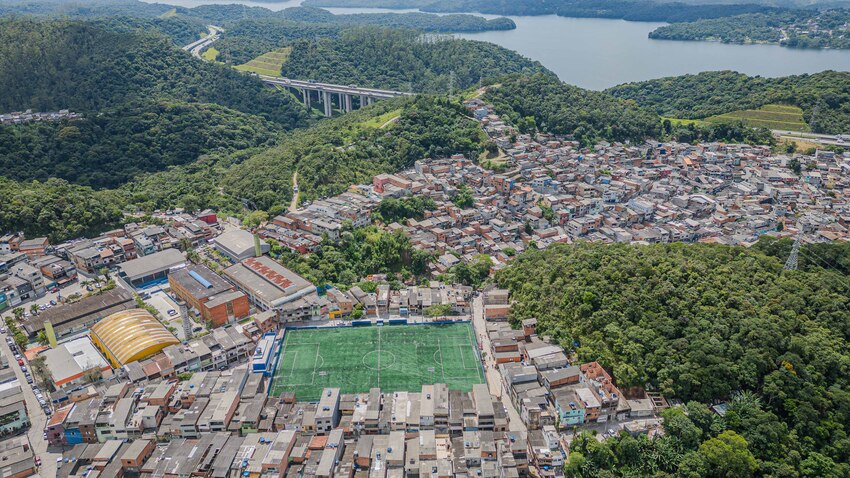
pixel 18 312
pixel 678 425
pixel 34 309
pixel 93 375
pixel 255 219
pixel 728 456
pixel 464 199
pixel 795 166
pixel 437 310
pixel 42 338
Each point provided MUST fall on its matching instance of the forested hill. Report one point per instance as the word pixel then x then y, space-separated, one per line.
pixel 543 102
pixel 648 11
pixel 111 147
pixel 704 322
pixel 824 97
pixel 50 65
pixel 403 60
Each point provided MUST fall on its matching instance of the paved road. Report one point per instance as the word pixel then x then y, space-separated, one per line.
pixel 494 378
pixel 827 139
pixel 197 46
pixel 37 418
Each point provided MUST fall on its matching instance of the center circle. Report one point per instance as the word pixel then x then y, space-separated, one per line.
pixel 378 359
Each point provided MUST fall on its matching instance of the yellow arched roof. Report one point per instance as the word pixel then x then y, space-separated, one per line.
pixel 131 335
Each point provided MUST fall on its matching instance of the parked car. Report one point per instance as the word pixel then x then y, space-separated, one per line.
pixel 52 302
pixel 20 361
pixel 197 329
pixel 24 368
pixel 38 458
pixel 2 330
pixel 172 312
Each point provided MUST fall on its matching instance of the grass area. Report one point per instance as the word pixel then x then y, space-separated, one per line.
pixel 394 358
pixel 782 117
pixel 382 120
pixel 682 122
pixel 169 14
pixel 268 63
pixel 210 54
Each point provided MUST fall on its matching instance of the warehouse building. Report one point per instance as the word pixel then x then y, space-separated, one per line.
pixel 130 335
pixel 70 319
pixel 73 363
pixel 270 286
pixel 215 299
pixel 148 270
pixel 239 245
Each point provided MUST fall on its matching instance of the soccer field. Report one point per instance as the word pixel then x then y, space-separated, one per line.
pixel 392 357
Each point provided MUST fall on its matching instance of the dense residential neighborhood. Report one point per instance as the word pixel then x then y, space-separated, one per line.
pixel 167 334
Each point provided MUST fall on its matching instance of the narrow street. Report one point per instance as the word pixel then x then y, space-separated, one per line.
pixel 293 206
pixel 494 379
pixel 38 419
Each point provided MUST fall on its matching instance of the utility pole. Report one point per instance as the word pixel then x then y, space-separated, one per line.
pixel 791 263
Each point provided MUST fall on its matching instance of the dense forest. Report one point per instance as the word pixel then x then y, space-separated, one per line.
pixel 57 209
pixel 415 20
pixel 791 28
pixel 543 102
pixel 824 97
pixel 402 60
pixel 248 39
pixel 50 65
pixel 621 9
pixel 702 323
pixel 112 147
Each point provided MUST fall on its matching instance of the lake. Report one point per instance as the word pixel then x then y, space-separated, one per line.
pixel 598 53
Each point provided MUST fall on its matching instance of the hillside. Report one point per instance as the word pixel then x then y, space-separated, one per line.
pixel 824 97
pixel 704 322
pixel 111 148
pixel 400 59
pixel 556 107
pixel 350 150
pixel 50 65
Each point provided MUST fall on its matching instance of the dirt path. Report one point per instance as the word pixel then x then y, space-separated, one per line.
pixel 294 204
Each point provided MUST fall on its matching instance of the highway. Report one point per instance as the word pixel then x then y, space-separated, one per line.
pixel 825 139
pixel 331 88
pixel 198 46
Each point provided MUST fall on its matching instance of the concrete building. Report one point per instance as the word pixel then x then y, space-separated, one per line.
pixel 239 245
pixel 150 269
pixel 70 319
pixel 270 286
pixel 215 299
pixel 73 363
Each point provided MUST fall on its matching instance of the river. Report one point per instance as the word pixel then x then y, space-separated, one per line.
pixel 598 53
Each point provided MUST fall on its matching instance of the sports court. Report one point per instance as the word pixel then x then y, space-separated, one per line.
pixel 392 357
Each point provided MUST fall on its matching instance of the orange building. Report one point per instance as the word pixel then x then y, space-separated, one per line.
pixel 217 300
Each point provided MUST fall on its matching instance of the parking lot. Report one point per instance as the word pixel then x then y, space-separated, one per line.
pixel 169 312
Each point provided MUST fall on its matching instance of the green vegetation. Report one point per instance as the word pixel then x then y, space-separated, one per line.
pixel 415 20
pixel 114 146
pixel 544 102
pixel 57 209
pixel 249 39
pixel 268 64
pixel 337 153
pixel 358 253
pixel 394 358
pixel 768 116
pixel 210 54
pixel 397 210
pixel 704 323
pixel 473 273
pixel 84 67
pixel 824 97
pixel 769 27
pixel 402 60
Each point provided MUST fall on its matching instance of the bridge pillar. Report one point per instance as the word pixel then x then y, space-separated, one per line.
pixel 305 94
pixel 347 101
pixel 362 101
pixel 326 99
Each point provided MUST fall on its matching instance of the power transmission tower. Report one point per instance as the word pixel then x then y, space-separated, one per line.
pixel 791 263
